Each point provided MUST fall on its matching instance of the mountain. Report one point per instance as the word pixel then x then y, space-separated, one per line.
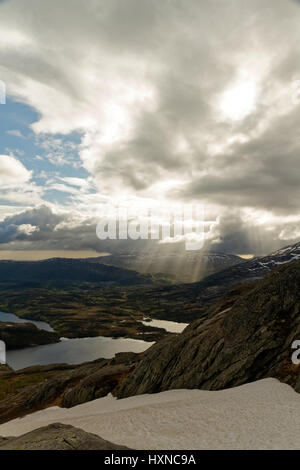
pixel 186 266
pixel 257 268
pixel 243 337
pixel 64 271
pixel 186 302
pixel 248 341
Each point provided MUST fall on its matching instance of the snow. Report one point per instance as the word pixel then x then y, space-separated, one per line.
pixel 260 415
pixel 171 326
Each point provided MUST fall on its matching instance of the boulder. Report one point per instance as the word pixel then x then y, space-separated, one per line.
pixel 58 437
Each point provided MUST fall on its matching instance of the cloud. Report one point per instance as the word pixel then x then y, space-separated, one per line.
pixel 135 77
pixel 43 228
pixel 143 83
pixel 15 182
pixel 12 172
pixel 15 133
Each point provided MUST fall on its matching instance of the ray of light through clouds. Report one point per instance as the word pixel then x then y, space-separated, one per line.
pixel 173 101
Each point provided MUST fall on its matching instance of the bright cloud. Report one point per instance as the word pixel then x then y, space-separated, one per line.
pixel 12 172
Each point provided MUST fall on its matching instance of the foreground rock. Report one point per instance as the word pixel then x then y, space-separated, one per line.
pixel 249 341
pixel 58 437
pixel 38 387
pixel 24 335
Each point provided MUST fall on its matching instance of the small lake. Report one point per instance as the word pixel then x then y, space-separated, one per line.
pixel 74 351
pixel 10 317
pixel 78 350
pixel 171 326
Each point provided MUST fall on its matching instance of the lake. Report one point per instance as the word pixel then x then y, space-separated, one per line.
pixel 10 317
pixel 78 350
pixel 74 351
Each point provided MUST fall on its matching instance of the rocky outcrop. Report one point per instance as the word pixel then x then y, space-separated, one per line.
pixel 35 388
pixel 58 437
pixel 23 335
pixel 96 385
pixel 248 341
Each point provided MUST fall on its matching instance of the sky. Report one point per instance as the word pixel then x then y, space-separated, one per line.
pixel 170 102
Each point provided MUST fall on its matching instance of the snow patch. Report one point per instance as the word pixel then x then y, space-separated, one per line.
pixel 260 415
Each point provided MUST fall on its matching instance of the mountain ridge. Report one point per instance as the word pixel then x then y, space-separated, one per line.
pixel 249 341
pixel 60 271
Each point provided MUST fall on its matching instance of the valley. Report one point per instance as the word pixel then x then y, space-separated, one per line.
pixel 241 324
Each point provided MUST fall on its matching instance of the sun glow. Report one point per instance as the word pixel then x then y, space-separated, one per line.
pixel 238 101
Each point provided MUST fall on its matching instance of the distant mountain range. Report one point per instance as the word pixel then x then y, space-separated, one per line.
pixel 186 302
pixel 65 272
pixel 129 269
pixel 182 266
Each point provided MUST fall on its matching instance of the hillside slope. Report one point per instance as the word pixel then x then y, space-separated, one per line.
pixel 247 342
pixel 64 271
pixel 187 302
pixel 186 266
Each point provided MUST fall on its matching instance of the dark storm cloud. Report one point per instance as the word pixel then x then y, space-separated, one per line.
pixel 262 173
pixel 232 234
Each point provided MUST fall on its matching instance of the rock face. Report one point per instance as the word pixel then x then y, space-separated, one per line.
pixel 35 388
pixel 23 335
pixel 248 341
pixel 58 437
pixel 96 385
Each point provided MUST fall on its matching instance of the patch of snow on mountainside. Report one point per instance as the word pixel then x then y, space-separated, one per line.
pixel 261 266
pixel 259 415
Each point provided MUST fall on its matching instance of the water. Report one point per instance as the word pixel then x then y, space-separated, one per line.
pixel 74 351
pixel 10 317
pixel 171 326
pixel 78 350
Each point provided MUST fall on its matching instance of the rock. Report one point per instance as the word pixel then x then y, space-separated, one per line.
pixel 96 385
pixel 23 335
pixel 39 387
pixel 249 341
pixel 126 358
pixel 58 437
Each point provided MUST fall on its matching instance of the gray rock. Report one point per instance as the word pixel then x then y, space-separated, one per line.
pixel 247 342
pixel 58 437
pixel 38 387
pixel 96 385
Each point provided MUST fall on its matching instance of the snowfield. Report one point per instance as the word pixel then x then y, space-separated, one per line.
pixel 260 415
